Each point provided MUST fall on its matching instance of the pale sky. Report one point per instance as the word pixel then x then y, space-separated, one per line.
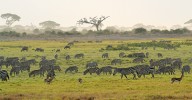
pixel 122 12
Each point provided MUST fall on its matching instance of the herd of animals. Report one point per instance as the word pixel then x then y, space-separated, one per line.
pixel 161 66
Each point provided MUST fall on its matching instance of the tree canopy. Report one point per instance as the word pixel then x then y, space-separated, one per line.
pixel 95 21
pixel 49 24
pixel 10 18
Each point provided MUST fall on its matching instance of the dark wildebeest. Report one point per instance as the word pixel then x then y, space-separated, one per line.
pixel 56 56
pixel 139 55
pixel 90 70
pixel 186 68
pixel 67 47
pixel 71 69
pixel 91 65
pixel 50 76
pixel 116 61
pixel 36 72
pixel 159 55
pixel 105 55
pixel 105 70
pixel 24 48
pixel 4 75
pixel 81 55
pixel 125 72
pixel 57 68
pixel 67 57
pixel 39 50
pixel 122 54
pixel 58 50
pixel 138 60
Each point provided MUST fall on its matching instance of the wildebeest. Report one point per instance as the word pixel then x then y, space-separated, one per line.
pixel 58 50
pixel 57 68
pixel 67 57
pixel 39 50
pixel 36 72
pixel 122 54
pixel 4 75
pixel 186 68
pixel 24 48
pixel 56 56
pixel 105 70
pixel 90 70
pixel 81 55
pixel 67 47
pixel 139 55
pixel 116 61
pixel 105 55
pixel 125 72
pixel 159 55
pixel 91 65
pixel 71 69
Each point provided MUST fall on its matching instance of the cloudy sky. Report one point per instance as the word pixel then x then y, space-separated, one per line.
pixel 122 12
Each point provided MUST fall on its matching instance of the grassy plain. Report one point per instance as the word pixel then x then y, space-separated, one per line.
pixel 102 87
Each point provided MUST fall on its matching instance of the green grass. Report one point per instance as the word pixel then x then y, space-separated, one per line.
pixel 102 87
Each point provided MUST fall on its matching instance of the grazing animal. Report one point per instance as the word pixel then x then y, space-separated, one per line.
pixel 57 68
pixel 138 60
pixel 105 55
pixel 159 55
pixel 36 72
pixel 56 56
pixel 71 69
pixel 91 65
pixel 58 50
pixel 177 79
pixel 67 47
pixel 24 48
pixel 90 70
pixel 48 80
pixel 125 72
pixel 81 55
pixel 147 54
pixel 67 57
pixel 105 70
pixel 15 70
pixel 122 54
pixel 115 61
pixel 80 80
pixel 4 75
pixel 39 50
pixel 186 68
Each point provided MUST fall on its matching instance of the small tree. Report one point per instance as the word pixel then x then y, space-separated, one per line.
pixel 96 22
pixel 10 18
pixel 140 30
pixel 49 24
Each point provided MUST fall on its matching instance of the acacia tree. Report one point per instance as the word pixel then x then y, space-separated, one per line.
pixel 95 21
pixel 10 18
pixel 49 24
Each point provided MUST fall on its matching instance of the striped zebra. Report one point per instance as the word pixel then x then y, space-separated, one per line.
pixel 90 70
pixel 4 75
pixel 186 68
pixel 145 70
pixel 125 72
pixel 105 70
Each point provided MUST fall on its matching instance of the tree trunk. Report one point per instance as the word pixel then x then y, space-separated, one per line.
pixel 97 27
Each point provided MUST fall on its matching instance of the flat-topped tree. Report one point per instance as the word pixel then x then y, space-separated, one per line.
pixel 95 21
pixel 49 24
pixel 10 18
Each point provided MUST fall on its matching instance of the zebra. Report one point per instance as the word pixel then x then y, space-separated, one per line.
pixel 106 69
pixel 91 65
pixel 4 75
pixel 90 70
pixel 125 72
pixel 15 70
pixel 36 72
pixel 115 61
pixel 72 68
pixel 105 55
pixel 186 68
pixel 167 69
pixel 145 71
